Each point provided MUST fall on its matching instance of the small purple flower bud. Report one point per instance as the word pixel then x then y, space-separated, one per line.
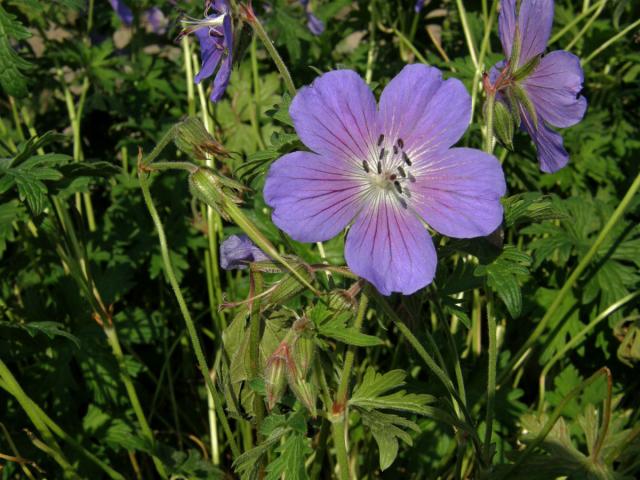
pixel 156 20
pixel 314 24
pixel 238 251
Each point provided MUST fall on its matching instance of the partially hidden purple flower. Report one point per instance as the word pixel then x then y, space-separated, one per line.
pixel 123 11
pixel 238 251
pixel 418 6
pixel 541 90
pixel 314 24
pixel 386 171
pixel 156 20
pixel 215 35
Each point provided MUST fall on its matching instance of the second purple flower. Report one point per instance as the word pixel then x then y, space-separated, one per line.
pixel 387 171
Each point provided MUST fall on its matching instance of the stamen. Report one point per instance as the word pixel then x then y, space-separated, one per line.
pixel 392 177
pixel 365 165
pixel 406 158
pixel 383 152
pixel 398 187
pixel 403 202
pixel 402 172
pixel 412 179
pixel 380 139
pixel 379 167
pixel 401 143
pixel 395 150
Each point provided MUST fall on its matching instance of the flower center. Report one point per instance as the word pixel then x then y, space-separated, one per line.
pixel 390 171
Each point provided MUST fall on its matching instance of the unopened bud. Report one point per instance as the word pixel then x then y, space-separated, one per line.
pixel 503 124
pixel 523 99
pixel 526 70
pixel 192 138
pixel 290 286
pixel 214 190
pixel 275 374
pixel 303 351
pixel 306 393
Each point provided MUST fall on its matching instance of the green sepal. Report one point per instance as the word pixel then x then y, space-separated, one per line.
pixel 516 49
pixel 503 125
pixel 523 99
pixel 525 70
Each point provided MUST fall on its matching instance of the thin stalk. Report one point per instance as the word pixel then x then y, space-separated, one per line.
pixel 586 26
pixel 488 140
pixel 467 33
pixel 114 343
pixel 188 70
pixel 492 330
pixel 256 287
pixel 610 42
pixel 577 340
pixel 255 105
pixel 431 364
pixel 275 56
pixel 371 53
pixel 572 24
pixel 27 405
pixel 410 45
pixel 484 47
pixel 573 278
pixel 191 328
pixel 509 472
pixel 14 449
pixel 340 425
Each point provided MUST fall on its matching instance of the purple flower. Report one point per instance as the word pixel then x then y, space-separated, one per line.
pixel 541 90
pixel 237 251
pixel 386 171
pixel 418 6
pixel 156 19
pixel 123 11
pixel 314 24
pixel 215 35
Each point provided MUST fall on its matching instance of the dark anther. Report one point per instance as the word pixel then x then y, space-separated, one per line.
pixel 398 187
pixel 403 202
pixel 379 167
pixel 392 176
pixel 382 153
pixel 412 179
pixel 400 143
pixel 395 150
pixel 380 140
pixel 402 172
pixel 406 158
pixel 365 165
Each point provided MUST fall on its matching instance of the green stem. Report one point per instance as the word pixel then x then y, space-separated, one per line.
pixel 524 351
pixel 191 329
pixel 27 405
pixel 609 42
pixel 586 26
pixel 492 329
pixel 256 288
pixel 484 47
pixel 431 364
pixel 572 24
pixel 340 424
pixel 275 56
pixel 577 340
pixel 488 140
pixel 411 46
pixel 114 342
pixel 255 103
pixel 188 70
pixel 467 33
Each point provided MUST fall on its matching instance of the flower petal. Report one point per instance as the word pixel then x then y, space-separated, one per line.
pixel 554 89
pixel 535 19
pixel 313 197
pixel 336 116
pixel 209 52
pixel 458 192
pixel 123 11
pixel 222 78
pixel 428 113
pixel 388 246
pixel 551 153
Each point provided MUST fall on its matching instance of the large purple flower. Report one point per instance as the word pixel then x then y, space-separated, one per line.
pixel 385 171
pixel 215 35
pixel 542 90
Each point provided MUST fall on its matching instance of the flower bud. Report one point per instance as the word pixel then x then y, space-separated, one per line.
pixel 306 393
pixel 214 190
pixel 192 138
pixel 503 124
pixel 303 351
pixel 275 374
